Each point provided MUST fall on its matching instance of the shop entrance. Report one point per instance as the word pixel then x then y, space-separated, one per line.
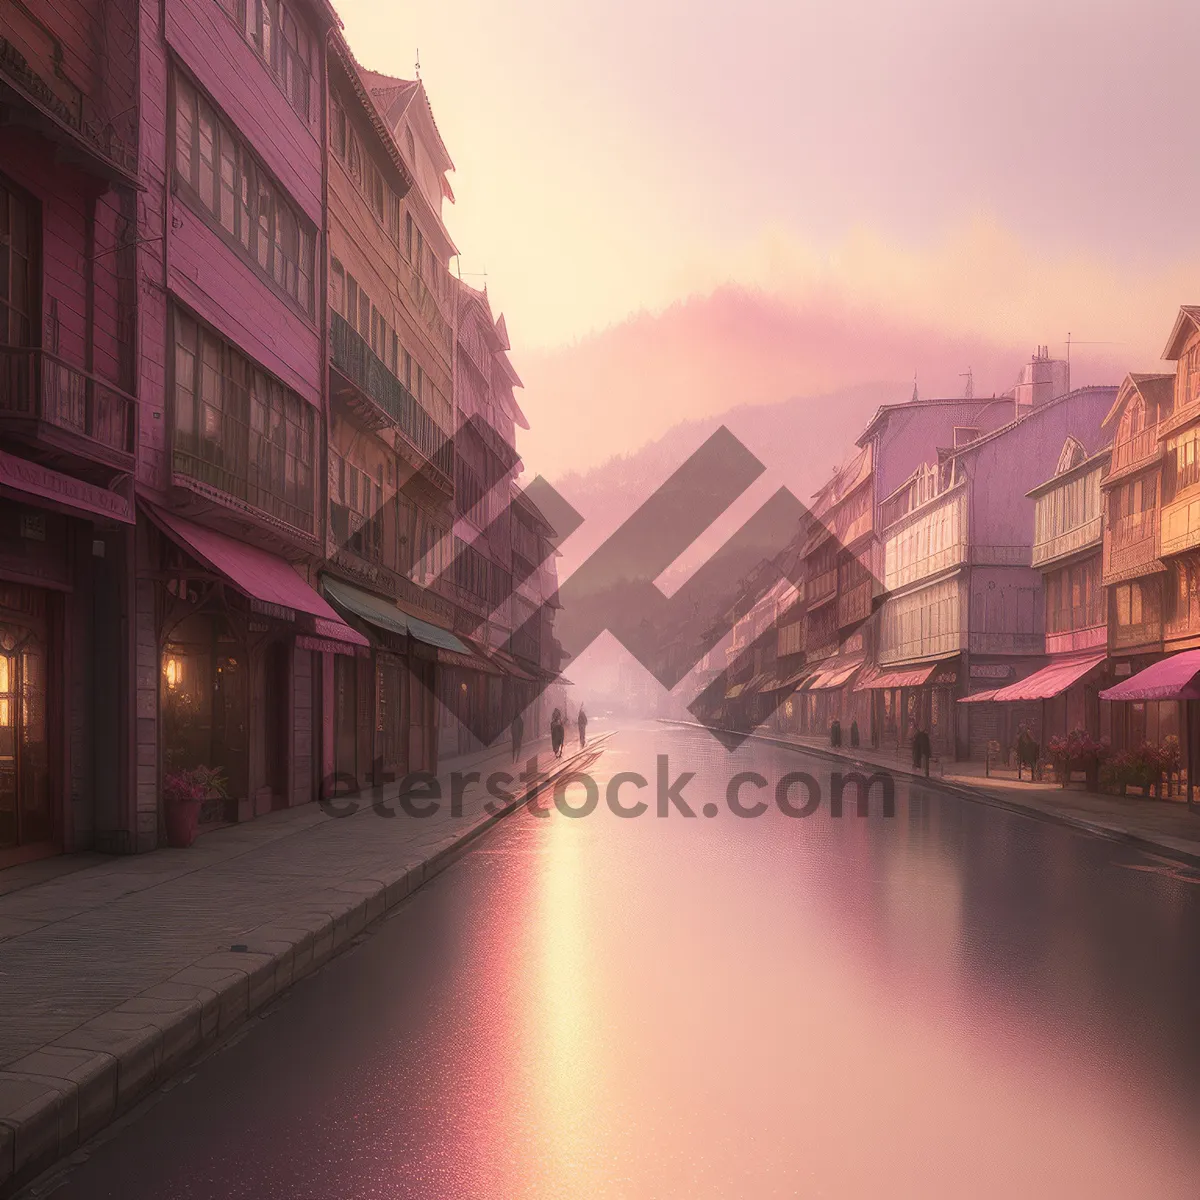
pixel 26 814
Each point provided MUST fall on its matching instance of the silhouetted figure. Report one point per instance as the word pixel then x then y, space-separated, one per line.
pixel 581 721
pixel 835 733
pixel 854 735
pixel 557 733
pixel 518 734
pixel 1027 753
pixel 922 750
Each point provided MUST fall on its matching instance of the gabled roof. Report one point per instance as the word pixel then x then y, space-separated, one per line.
pixel 1155 389
pixel 400 97
pixel 502 332
pixel 1186 324
pixel 885 410
pixel 344 56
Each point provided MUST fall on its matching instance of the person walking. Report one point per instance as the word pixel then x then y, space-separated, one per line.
pixel 922 750
pixel 556 733
pixel 581 721
pixel 518 734
pixel 853 735
pixel 835 733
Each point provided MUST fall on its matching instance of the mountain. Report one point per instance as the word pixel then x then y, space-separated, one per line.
pixel 799 442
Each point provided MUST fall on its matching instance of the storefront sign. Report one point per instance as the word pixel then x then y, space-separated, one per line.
pixel 266 609
pixel 35 481
pixel 946 678
pixel 991 670
pixel 305 641
pixel 1124 668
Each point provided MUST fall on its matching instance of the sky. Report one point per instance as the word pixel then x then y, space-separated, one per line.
pixel 680 199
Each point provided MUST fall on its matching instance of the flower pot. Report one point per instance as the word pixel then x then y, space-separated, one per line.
pixel 181 817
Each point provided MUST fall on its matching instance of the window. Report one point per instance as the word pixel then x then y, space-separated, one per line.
pixel 16 266
pixel 281 41
pixel 239 429
pixel 217 169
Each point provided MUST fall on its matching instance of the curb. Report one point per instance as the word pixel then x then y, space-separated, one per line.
pixel 59 1096
pixel 1189 858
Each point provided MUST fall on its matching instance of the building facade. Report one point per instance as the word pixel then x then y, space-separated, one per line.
pixel 227 417
pixel 69 422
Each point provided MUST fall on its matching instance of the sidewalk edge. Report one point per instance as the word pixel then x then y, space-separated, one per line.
pixel 57 1097
pixel 980 796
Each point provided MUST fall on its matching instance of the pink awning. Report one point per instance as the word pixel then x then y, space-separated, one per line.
pixel 979 697
pixel 836 674
pixel 915 677
pixel 1051 680
pixel 259 575
pixel 1173 678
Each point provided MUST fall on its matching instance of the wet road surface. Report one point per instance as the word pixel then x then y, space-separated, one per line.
pixel 956 1001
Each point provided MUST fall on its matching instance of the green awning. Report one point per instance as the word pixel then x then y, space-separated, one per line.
pixel 383 614
pixel 431 635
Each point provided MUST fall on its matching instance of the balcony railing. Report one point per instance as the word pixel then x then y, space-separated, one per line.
pixel 1131 543
pixel 353 358
pixel 1069 542
pixel 61 404
pixel 1145 633
pixel 1141 447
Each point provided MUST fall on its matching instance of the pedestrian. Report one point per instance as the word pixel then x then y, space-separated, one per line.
pixel 854 735
pixel 518 733
pixel 922 750
pixel 835 733
pixel 556 733
pixel 581 721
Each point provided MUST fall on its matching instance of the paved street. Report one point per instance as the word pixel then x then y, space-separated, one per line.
pixel 956 1001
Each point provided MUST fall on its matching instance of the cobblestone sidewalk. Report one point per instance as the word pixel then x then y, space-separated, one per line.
pixel 113 974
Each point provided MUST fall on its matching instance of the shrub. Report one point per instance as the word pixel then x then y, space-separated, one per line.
pixel 195 783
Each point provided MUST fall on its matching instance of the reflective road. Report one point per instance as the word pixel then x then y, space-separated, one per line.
pixel 953 1002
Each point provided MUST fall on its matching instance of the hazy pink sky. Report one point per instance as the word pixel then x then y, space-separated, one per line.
pixel 1004 172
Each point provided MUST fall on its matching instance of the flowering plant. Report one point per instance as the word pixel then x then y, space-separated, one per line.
pixel 1141 766
pixel 195 783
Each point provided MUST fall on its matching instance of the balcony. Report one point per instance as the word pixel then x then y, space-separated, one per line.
pixel 1180 524
pixel 47 401
pixel 525 543
pixel 822 586
pixel 1072 541
pixel 380 400
pixel 47 51
pixel 1130 637
pixel 1078 638
pixel 1137 451
pixel 854 605
pixel 1131 547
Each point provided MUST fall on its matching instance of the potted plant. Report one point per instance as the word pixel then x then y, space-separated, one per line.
pixel 1060 749
pixel 1093 752
pixel 183 794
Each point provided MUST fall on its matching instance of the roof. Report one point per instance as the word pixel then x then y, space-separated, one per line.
pixel 342 51
pixel 1186 323
pixel 984 438
pixel 396 98
pixel 885 410
pixel 1155 388
pixel 1080 468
